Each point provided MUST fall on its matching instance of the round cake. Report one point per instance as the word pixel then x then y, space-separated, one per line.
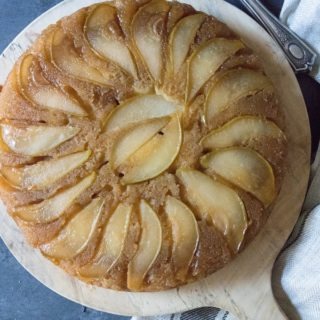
pixel 142 145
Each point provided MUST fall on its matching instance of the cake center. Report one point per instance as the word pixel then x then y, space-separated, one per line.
pixel 147 137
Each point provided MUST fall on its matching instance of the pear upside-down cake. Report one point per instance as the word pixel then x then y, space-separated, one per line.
pixel 142 144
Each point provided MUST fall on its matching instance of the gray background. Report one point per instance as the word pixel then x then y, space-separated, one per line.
pixel 21 296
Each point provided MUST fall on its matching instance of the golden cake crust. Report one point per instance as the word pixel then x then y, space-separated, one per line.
pixel 98 103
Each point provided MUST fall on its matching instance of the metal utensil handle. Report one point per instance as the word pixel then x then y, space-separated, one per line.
pixel 298 53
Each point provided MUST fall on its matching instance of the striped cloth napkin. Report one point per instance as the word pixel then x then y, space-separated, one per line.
pixel 296 275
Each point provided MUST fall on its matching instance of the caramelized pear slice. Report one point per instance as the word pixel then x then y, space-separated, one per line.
pixel 75 236
pixel 240 131
pixel 216 202
pixel 149 247
pixel 155 156
pixel 182 37
pixel 50 97
pixel 43 93
pixel 135 138
pixel 147 29
pixel 51 209
pixel 139 109
pixel 66 58
pixel 232 86
pixel 36 140
pixel 108 44
pixel 112 243
pixel 44 173
pixel 206 60
pixel 185 234
pixel 246 169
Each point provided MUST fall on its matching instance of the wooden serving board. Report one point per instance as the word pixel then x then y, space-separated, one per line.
pixel 244 286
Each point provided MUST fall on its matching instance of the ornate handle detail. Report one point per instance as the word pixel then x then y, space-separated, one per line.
pixel 298 53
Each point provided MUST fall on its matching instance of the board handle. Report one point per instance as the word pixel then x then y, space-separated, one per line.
pixel 251 305
pixel 274 312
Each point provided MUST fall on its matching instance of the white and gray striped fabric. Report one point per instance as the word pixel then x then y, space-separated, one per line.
pixel 296 276
pixel 206 313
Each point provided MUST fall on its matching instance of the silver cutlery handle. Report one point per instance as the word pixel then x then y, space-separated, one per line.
pixel 298 53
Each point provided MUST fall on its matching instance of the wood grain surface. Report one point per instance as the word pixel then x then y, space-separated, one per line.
pixel 244 286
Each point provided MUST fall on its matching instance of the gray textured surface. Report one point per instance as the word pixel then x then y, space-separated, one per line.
pixel 21 296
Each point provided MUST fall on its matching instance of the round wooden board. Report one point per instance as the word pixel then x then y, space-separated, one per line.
pixel 244 286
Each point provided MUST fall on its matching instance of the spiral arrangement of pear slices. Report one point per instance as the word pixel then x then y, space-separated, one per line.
pixel 144 63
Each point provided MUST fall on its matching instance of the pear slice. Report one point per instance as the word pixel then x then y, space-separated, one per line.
pixel 155 156
pixel 112 243
pixel 139 109
pixel 246 169
pixel 241 130
pixel 45 95
pixel 185 234
pixel 135 138
pixel 44 173
pixel 36 140
pixel 232 86
pixel 149 247
pixel 75 236
pixel 182 37
pixel 50 97
pixel 51 209
pixel 66 58
pixel 147 29
pixel 206 60
pixel 105 42
pixel 218 203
